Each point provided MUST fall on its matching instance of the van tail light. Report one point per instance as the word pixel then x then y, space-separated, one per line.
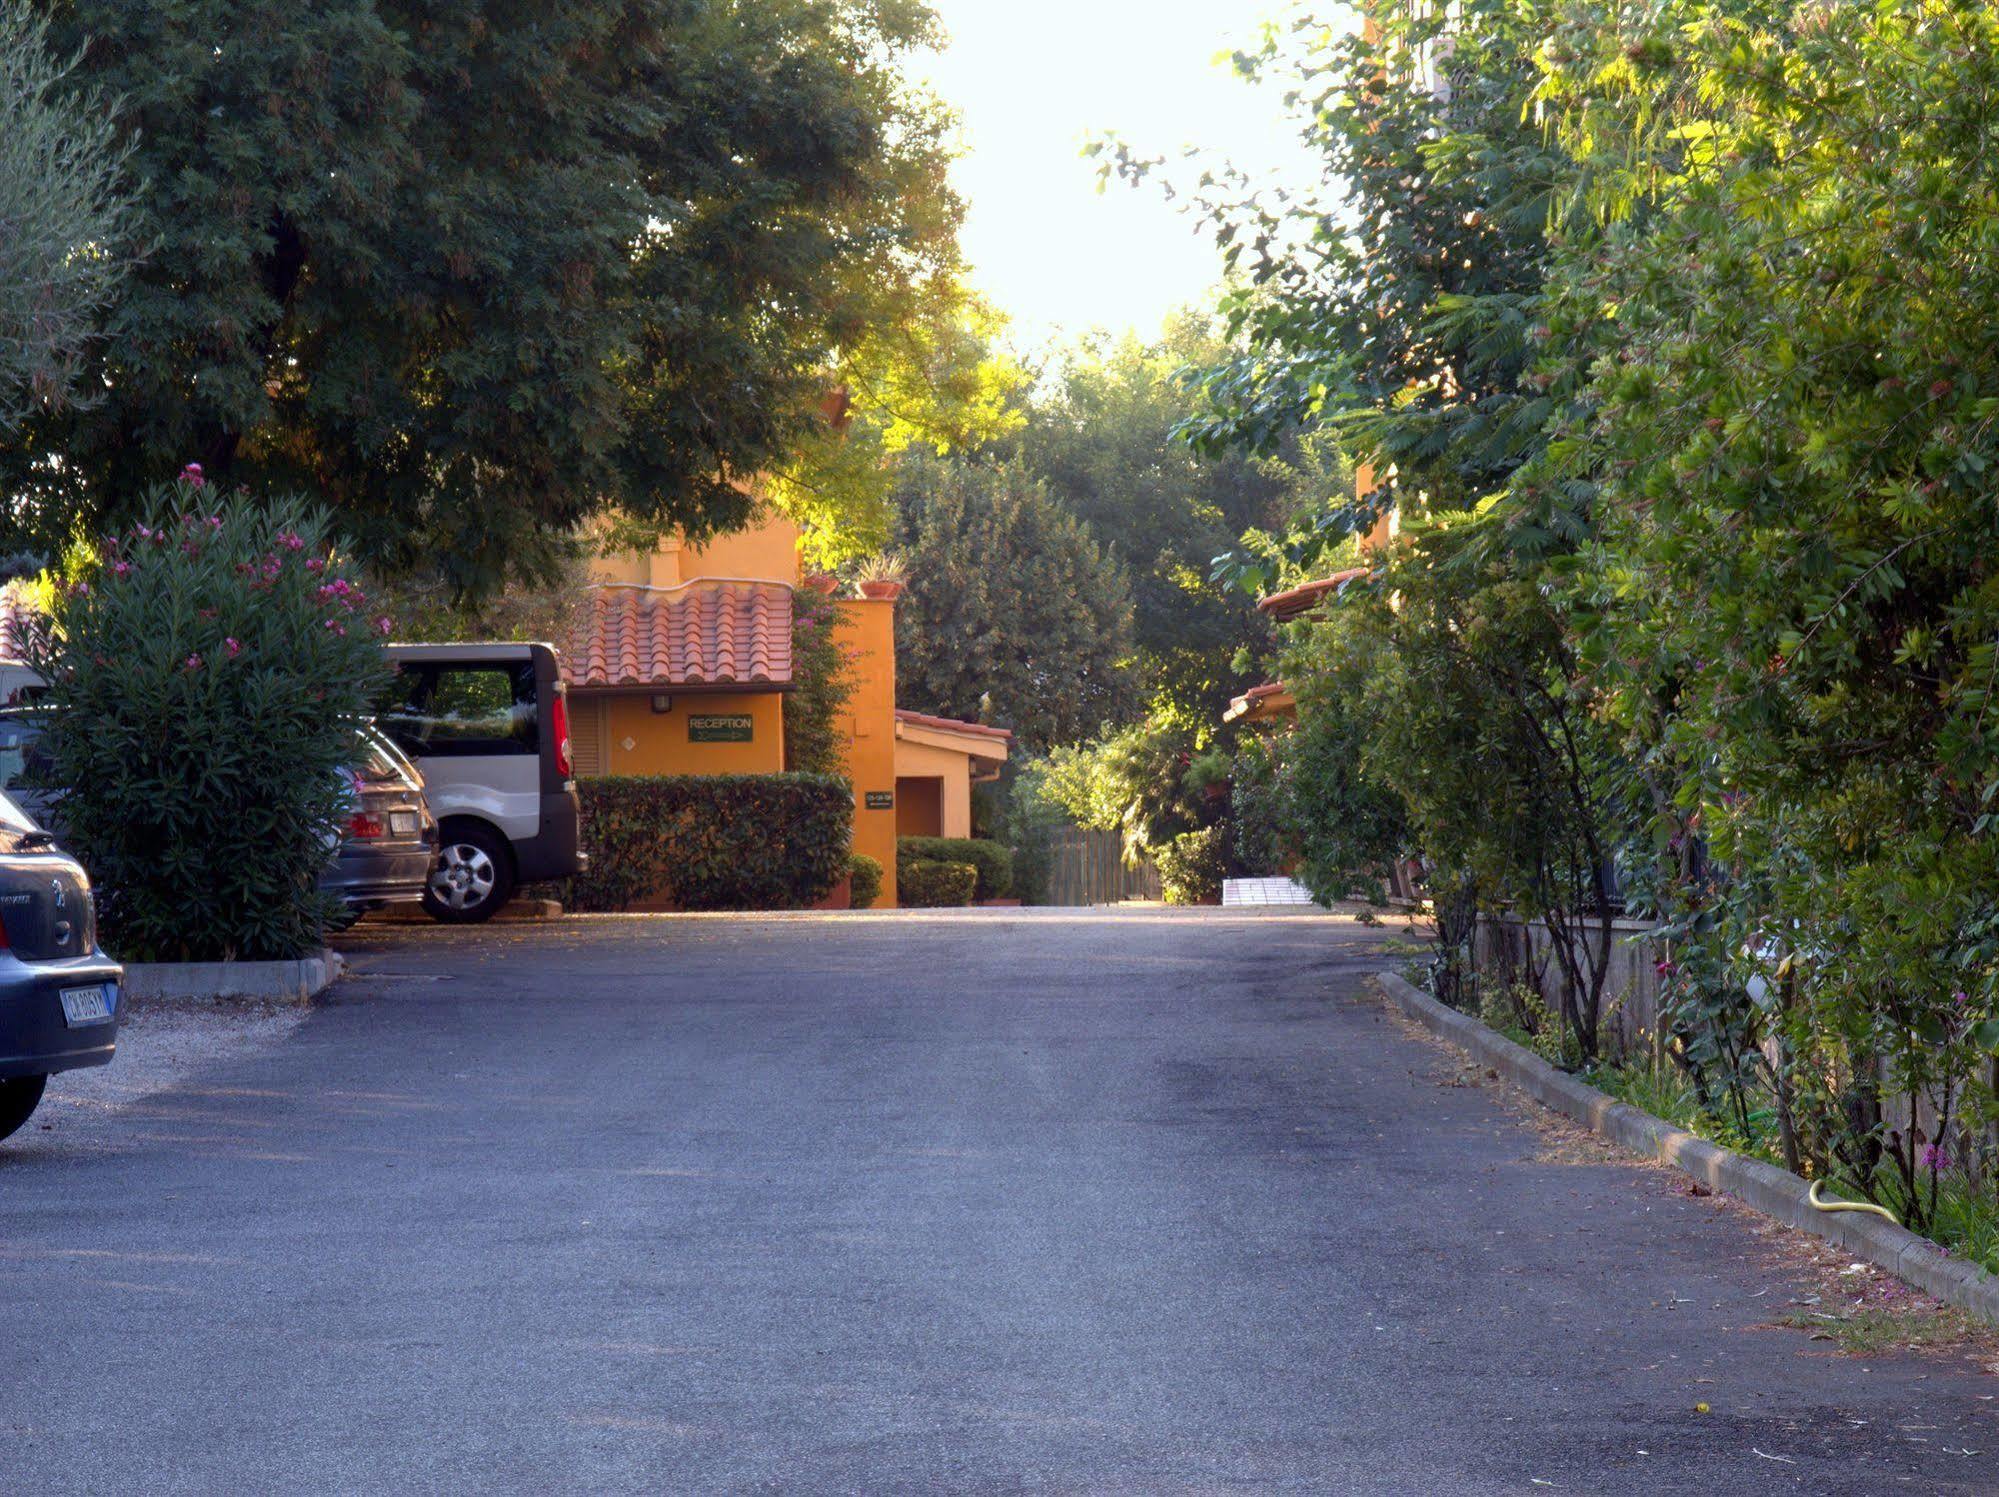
pixel 362 827
pixel 561 725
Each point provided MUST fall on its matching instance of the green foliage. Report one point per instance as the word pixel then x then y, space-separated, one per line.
pixel 1664 329
pixel 207 670
pixel 63 206
pixel 1133 781
pixel 713 842
pixel 993 859
pixel 1192 867
pixel 1026 823
pixel 864 880
pixel 929 885
pixel 822 680
pixel 478 274
pixel 1014 614
pixel 1101 438
pixel 1261 808
pixel 1395 303
pixel 1336 788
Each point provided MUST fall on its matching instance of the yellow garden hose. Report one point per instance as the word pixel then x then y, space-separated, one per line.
pixel 1812 1195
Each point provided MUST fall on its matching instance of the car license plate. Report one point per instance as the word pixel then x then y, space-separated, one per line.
pixel 86 1005
pixel 403 823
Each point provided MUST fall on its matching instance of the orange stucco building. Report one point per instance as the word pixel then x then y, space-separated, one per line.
pixel 680 661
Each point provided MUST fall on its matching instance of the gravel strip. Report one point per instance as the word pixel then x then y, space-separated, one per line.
pixel 160 1044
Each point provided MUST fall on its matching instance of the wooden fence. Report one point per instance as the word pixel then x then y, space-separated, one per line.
pixel 1089 868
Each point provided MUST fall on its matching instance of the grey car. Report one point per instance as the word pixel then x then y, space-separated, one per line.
pixel 58 990
pixel 386 848
pixel 390 840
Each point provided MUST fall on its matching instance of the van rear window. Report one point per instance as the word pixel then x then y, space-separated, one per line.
pixel 463 709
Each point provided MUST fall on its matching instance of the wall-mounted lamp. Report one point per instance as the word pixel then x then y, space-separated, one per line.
pixel 662 701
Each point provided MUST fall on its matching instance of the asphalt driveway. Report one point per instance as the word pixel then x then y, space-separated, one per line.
pixel 992 1201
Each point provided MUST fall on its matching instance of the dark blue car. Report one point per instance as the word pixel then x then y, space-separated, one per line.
pixel 58 991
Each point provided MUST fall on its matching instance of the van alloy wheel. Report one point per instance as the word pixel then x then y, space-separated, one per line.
pixel 472 877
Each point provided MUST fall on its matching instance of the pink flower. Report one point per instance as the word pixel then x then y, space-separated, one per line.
pixel 1934 1158
pixel 121 568
pixel 79 589
pixel 289 539
pixel 337 627
pixel 315 565
pixel 233 646
pixel 384 625
pixel 191 475
pixel 215 522
pixel 192 663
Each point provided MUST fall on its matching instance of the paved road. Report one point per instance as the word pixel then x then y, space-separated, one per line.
pixel 1050 1202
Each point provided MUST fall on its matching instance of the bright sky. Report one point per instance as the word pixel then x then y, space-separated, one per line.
pixel 1032 80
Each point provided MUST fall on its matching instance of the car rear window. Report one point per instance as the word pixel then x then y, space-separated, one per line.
pixel 379 761
pixel 463 709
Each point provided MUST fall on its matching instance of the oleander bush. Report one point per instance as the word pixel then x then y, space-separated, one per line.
pixel 994 860
pixel 713 842
pixel 206 670
pixel 927 884
pixel 864 880
pixel 1192 865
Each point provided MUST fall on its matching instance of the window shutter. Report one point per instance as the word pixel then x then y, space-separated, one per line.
pixel 586 736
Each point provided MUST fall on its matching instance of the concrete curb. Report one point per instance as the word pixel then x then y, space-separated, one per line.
pixel 1772 1191
pixel 280 982
pixel 518 909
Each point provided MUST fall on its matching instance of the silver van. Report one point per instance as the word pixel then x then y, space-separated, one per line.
pixel 488 725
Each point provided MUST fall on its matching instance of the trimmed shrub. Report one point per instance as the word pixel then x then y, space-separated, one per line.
pixel 994 860
pixel 864 880
pixel 713 842
pixel 1192 865
pixel 926 884
pixel 206 673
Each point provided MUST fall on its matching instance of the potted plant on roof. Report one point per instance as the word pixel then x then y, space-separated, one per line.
pixel 883 576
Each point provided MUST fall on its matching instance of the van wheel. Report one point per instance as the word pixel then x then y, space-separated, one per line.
pixel 472 877
pixel 19 1097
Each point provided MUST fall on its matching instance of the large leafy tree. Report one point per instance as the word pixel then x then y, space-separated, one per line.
pixel 476 272
pixel 63 209
pixel 1102 438
pixel 1014 614
pixel 1792 600
pixel 1395 300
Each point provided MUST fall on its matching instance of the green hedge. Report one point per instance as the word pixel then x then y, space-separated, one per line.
pixel 866 885
pixel 713 842
pixel 924 884
pixel 1192 865
pixel 994 860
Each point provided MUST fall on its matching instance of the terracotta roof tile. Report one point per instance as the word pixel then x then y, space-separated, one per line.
pixel 1248 704
pixel 1297 601
pixel 703 634
pixel 952 725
